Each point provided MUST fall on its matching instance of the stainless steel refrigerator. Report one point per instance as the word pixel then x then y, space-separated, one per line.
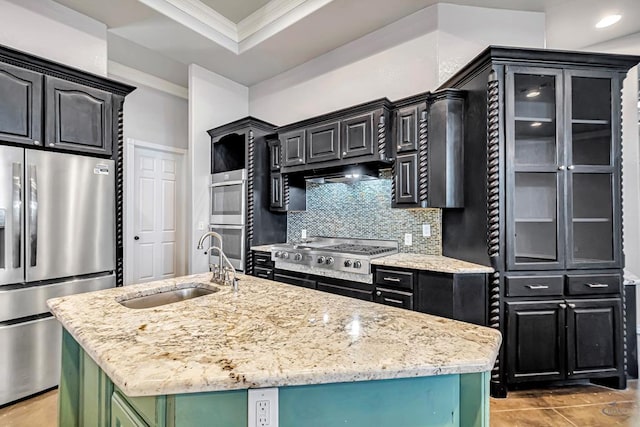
pixel 57 237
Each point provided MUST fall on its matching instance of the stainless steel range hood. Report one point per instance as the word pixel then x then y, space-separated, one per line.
pixel 344 174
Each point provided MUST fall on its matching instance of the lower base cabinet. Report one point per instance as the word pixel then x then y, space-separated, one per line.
pixel 564 339
pixel 122 415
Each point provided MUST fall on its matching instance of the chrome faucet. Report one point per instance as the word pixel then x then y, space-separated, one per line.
pixel 216 236
pixel 221 273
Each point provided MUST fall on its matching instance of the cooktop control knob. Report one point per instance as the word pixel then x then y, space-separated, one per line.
pixel 357 264
pixel 297 257
pixel 285 255
pixel 329 260
pixel 347 263
pixel 320 260
pixel 278 254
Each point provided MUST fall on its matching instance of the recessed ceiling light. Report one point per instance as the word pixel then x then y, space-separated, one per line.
pixel 608 20
pixel 532 93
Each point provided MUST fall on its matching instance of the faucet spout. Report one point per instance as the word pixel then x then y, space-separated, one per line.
pixel 206 235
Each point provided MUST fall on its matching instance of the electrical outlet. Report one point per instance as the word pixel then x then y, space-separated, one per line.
pixel 201 225
pixel 304 233
pixel 426 230
pixel 408 239
pixel 263 407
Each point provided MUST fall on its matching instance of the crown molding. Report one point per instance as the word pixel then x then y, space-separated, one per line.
pixel 141 78
pixel 265 22
pixel 198 17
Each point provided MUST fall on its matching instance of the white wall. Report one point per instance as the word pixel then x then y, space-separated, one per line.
pixel 155 116
pixel 213 101
pixel 48 29
pixel 409 56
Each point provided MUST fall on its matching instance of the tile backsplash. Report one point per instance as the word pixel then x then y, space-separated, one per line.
pixel 363 210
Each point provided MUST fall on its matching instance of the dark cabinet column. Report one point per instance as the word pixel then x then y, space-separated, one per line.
pixel 78 117
pixel 20 105
pixel 535 337
pixel 594 338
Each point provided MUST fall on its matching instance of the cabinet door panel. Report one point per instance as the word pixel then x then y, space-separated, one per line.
pixel 406 129
pixel 535 169
pixel 594 337
pixel 20 105
pixel 394 298
pixel 345 291
pixel 357 136
pixel 293 280
pixel 535 341
pixel 275 155
pixel 406 176
pixel 122 415
pixel 293 148
pixel 323 143
pixel 277 191
pixel 78 117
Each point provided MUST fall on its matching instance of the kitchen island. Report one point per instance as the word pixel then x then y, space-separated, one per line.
pixel 334 360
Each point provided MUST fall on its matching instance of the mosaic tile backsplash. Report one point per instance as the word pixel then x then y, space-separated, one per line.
pixel 362 210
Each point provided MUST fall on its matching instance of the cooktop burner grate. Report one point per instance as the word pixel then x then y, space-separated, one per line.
pixel 358 249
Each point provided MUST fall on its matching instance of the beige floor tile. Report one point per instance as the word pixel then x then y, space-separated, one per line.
pixel 529 418
pixel 40 411
pixel 613 414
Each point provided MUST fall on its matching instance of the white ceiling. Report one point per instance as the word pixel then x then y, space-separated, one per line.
pixel 252 40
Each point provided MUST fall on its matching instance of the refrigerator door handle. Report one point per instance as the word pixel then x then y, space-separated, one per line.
pixel 17 213
pixel 33 215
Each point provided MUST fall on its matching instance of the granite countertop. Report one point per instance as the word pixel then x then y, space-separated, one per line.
pixel 267 334
pixel 437 263
pixel 264 248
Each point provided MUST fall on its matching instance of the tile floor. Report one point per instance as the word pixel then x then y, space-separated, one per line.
pixel 580 406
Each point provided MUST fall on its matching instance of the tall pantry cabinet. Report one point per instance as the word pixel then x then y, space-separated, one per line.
pixel 543 207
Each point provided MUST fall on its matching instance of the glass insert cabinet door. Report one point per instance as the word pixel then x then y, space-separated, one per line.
pixel 593 180
pixel 535 156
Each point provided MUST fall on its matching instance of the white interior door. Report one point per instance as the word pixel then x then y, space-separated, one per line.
pixel 155 215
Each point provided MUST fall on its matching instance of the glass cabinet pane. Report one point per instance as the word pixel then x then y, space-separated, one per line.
pixel 535 210
pixel 535 119
pixel 591 121
pixel 592 217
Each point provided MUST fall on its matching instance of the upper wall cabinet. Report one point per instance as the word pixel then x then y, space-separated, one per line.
pixel 79 119
pixel 353 135
pixel 428 170
pixel 20 105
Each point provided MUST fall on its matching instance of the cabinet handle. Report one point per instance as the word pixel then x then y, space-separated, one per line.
pixel 537 287
pixel 261 259
pixel 391 279
pixel 562 305
pixel 597 285
pixel 378 293
pixel 571 305
pixel 395 301
pixel 571 167
pixel 561 167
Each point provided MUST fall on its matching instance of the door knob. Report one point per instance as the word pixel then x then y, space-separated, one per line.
pixel 136 237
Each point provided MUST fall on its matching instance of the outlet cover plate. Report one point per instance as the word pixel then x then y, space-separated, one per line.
pixel 260 395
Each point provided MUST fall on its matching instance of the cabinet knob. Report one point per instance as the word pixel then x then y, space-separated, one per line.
pixel 571 305
pixel 562 305
pixel 571 167
pixel 344 153
pixel 561 167
pixel 36 142
pixel 300 160
pixel 136 237
pixel 51 144
pixel 378 293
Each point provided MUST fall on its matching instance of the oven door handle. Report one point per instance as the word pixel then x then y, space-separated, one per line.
pixel 214 227
pixel 227 183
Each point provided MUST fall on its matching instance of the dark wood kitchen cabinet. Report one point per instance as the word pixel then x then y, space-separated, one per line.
pixel 21 105
pixel 564 339
pixel 79 117
pixel 428 168
pixel 542 183
pixel 354 135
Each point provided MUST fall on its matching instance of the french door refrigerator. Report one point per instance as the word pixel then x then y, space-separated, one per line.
pixel 57 237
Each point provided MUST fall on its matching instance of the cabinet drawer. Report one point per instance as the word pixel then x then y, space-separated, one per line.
pixel 396 279
pixel 292 280
pixel 262 259
pixel 265 273
pixel 593 284
pixel 394 298
pixel 525 286
pixel 344 291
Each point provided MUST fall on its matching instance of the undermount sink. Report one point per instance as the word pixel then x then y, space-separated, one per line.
pixel 187 291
